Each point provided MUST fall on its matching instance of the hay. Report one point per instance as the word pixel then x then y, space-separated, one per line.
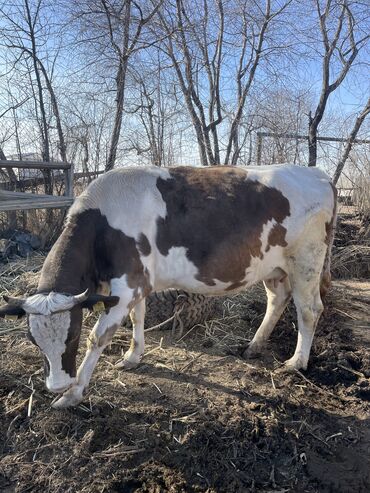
pixel 349 301
pixel 351 261
pixel 20 277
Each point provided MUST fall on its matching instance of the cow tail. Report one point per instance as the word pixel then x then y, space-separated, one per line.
pixel 330 232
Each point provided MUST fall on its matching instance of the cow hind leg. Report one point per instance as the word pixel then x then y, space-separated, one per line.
pixel 278 296
pixel 133 356
pixel 305 282
pixel 309 308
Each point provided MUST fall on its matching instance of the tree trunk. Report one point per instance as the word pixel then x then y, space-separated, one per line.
pixel 349 144
pixel 54 103
pixel 45 137
pixel 312 145
pixel 121 78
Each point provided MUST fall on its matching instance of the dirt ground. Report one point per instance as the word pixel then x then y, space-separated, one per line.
pixel 195 417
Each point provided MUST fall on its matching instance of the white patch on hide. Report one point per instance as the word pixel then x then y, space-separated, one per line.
pixel 124 195
pixel 46 304
pixel 176 271
pixel 50 333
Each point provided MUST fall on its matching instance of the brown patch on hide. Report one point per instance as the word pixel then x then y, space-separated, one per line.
pixel 276 237
pixel 218 215
pixel 134 344
pixel 325 282
pixel 144 245
pixel 107 336
pixel 89 251
pixel 93 342
pixel 330 226
pixel 72 342
pixel 145 287
pixel 236 285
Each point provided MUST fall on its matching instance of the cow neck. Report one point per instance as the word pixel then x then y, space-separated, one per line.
pixel 70 266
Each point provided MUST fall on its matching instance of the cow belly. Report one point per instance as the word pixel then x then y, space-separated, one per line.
pixel 176 271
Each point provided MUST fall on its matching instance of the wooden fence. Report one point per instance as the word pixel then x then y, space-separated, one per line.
pixel 13 201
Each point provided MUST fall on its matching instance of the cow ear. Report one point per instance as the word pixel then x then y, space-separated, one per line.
pixel 100 303
pixel 11 312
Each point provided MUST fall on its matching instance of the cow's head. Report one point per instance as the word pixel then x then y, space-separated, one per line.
pixel 54 322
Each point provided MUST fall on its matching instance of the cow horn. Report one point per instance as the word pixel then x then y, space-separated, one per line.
pixel 80 298
pixel 13 301
pixel 11 311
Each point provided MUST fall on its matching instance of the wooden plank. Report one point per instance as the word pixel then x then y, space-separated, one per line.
pixel 35 198
pixel 43 203
pixel 28 182
pixel 8 194
pixel 42 200
pixel 89 174
pixel 34 164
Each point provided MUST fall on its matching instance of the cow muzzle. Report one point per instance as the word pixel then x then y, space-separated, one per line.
pixel 59 386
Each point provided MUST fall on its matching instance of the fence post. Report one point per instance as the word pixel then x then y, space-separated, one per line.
pixel 68 174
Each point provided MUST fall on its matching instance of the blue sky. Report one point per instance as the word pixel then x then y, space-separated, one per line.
pixel 301 73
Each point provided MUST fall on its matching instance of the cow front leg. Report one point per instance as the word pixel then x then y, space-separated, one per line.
pixel 133 356
pixel 100 336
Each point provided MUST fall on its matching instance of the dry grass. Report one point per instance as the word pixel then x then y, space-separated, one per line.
pixel 362 194
pixel 351 262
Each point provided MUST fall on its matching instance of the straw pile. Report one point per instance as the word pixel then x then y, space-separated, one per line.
pixel 351 261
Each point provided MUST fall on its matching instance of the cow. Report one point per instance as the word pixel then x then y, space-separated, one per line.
pixel 213 231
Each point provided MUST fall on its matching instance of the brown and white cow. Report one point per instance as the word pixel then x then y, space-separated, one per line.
pixel 212 230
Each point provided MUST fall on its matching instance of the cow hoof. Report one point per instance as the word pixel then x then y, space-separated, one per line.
pixel 71 398
pixel 291 365
pixel 252 351
pixel 126 364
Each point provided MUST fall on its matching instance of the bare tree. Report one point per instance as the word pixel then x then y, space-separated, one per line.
pixel 87 131
pixel 249 59
pixel 338 36
pixel 283 112
pixel 158 110
pixel 124 21
pixel 183 38
pixel 23 37
pixel 198 45
pixel 352 137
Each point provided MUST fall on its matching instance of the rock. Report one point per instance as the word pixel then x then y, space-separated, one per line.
pixel 17 242
pixel 7 248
